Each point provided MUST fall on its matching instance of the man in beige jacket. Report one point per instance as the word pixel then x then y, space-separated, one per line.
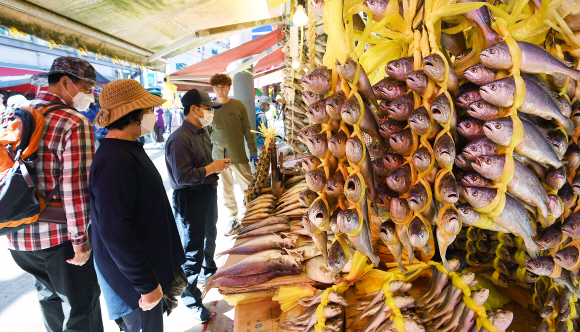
pixel 231 125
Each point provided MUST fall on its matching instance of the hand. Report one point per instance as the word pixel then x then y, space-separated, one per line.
pixel 149 301
pixel 220 165
pixel 82 254
pixel 254 157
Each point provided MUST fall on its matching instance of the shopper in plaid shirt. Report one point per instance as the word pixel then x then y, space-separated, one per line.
pixel 58 255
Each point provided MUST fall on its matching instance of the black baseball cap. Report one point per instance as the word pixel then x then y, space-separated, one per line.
pixel 196 97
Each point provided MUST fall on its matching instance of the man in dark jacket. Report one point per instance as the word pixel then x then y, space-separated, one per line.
pixel 193 175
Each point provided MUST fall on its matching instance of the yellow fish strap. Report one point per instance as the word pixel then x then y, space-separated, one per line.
pixel 557 272
pixel 485 222
pixel 495 278
pixel 288 296
pixel 429 194
pixel 440 174
pixel 396 315
pixel 440 216
pixel 573 312
pixel 325 226
pixel 445 82
pixel 361 222
pixel 577 246
pixel 495 207
pixel 344 245
pixel 425 143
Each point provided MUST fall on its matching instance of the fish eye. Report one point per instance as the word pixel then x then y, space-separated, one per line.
pixel 400 106
pixel 475 193
pixel 488 161
pixel 419 117
pixel 497 126
pixel 493 88
pixel 390 126
pixel 492 51
pixel 309 77
pixel 389 88
pixel 474 148
pixel 468 125
pixel 397 65
pixel 397 178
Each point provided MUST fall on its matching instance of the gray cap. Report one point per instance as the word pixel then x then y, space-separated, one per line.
pixel 264 99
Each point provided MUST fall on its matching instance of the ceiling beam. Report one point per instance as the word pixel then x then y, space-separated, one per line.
pixel 218 32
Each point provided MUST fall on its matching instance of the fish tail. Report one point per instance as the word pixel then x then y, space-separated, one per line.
pixel 209 285
pixel 532 248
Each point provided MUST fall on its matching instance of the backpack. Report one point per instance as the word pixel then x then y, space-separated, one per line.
pixel 20 131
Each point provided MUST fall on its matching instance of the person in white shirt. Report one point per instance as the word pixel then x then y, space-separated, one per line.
pixel 15 101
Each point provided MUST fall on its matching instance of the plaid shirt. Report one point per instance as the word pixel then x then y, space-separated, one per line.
pixel 65 155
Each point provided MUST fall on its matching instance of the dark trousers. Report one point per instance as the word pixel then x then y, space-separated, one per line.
pixel 68 294
pixel 145 321
pixel 158 130
pixel 196 216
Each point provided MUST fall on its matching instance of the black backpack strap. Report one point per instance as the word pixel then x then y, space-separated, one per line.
pixel 54 107
pixel 52 194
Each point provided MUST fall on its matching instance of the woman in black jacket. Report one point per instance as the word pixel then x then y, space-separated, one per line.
pixel 136 244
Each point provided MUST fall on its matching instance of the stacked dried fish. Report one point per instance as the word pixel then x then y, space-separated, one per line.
pixel 259 208
pixel 440 308
pixel 333 312
pixel 290 204
pixel 296 103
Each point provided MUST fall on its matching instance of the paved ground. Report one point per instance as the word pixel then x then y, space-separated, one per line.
pixel 19 309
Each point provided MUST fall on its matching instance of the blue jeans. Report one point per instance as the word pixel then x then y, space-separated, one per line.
pixel 196 215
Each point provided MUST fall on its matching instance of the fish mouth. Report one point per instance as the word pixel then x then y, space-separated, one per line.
pixel 351 186
pixel 413 120
pixel 452 195
pixel 414 200
pixel 447 152
pixel 381 201
pixel 436 110
pixel 412 79
pixel 488 127
pixel 319 215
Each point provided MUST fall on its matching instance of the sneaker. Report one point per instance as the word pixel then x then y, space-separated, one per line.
pixel 233 227
pixel 200 313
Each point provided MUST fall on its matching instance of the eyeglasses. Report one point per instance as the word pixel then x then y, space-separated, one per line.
pixel 205 108
pixel 221 87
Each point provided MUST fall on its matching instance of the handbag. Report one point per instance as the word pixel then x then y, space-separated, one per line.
pixel 173 290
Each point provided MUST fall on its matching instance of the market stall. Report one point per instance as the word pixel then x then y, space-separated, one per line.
pixel 440 172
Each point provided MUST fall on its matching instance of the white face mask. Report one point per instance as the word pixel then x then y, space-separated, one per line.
pixel 81 101
pixel 207 118
pixel 148 123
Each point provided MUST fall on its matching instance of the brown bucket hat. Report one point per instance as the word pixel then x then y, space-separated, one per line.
pixel 121 97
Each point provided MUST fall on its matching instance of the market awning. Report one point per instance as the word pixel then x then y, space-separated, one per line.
pixel 271 60
pixel 219 63
pixel 18 80
pixel 265 49
pixel 144 32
